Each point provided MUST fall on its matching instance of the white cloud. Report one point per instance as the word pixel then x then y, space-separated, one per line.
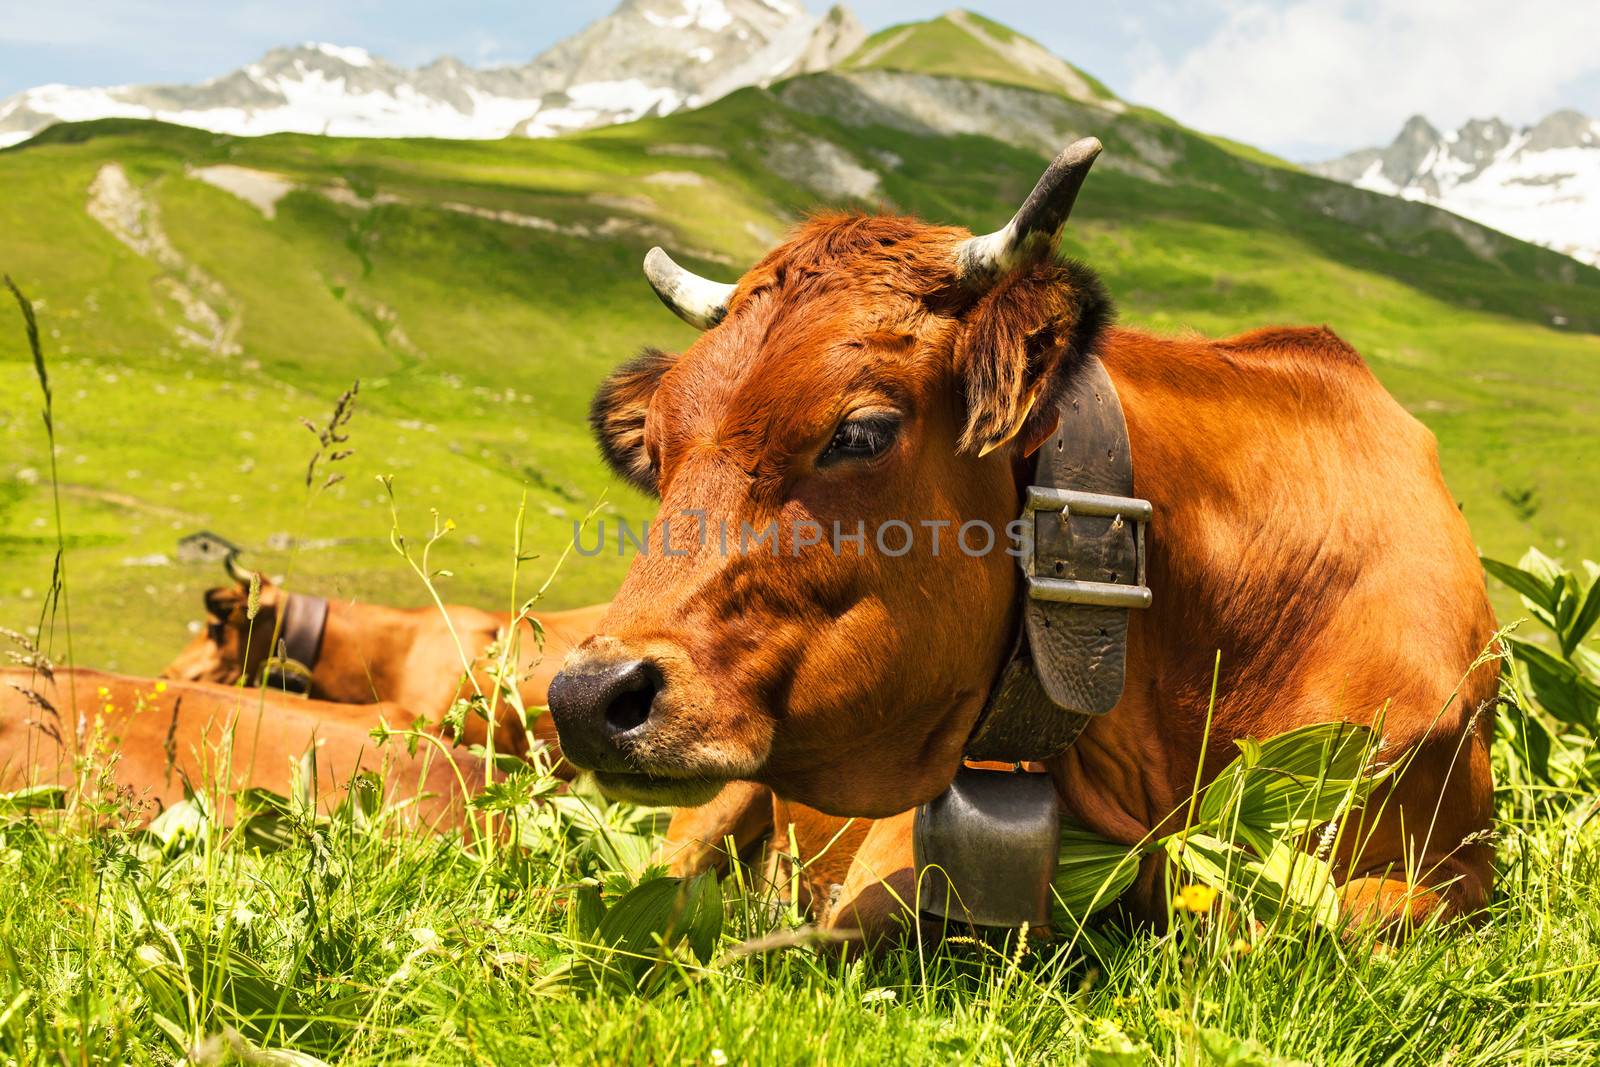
pixel 1326 75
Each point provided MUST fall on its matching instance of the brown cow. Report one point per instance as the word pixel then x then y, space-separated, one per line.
pixel 409 657
pixel 371 652
pixel 875 369
pixel 166 735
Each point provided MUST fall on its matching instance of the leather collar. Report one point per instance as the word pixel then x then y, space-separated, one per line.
pixel 1083 565
pixel 305 618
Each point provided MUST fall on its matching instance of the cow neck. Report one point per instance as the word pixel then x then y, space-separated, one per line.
pixel 1083 571
pixel 305 619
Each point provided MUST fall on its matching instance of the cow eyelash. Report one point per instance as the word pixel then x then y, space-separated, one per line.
pixel 863 437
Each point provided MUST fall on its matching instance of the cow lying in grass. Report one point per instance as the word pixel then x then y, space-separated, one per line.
pixel 411 658
pixel 370 652
pixel 146 741
pixel 141 742
pixel 873 370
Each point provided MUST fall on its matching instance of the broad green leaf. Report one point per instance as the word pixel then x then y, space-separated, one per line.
pixel 1298 779
pixel 1111 1047
pixel 1534 589
pixel 266 819
pixel 1267 888
pixel 1587 660
pixel 1225 1050
pixel 1091 873
pixel 584 911
pixel 303 782
pixel 1566 594
pixel 362 800
pixel 33 798
pixel 1539 566
pixel 181 823
pixel 1560 688
pixel 703 915
pixel 1584 619
pixel 1214 862
pixel 657 915
pixel 619 850
pixel 1304 881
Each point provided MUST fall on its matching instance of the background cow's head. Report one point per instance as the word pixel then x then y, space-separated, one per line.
pixel 869 372
pixel 232 643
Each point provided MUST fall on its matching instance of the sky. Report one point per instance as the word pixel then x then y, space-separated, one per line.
pixel 1304 78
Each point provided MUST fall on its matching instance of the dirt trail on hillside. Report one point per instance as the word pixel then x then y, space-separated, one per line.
pixel 213 319
pixel 258 188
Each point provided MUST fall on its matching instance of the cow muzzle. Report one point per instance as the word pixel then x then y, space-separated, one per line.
pixel 612 716
pixel 600 707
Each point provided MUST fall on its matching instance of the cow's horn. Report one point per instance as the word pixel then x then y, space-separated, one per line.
pixel 236 572
pixel 1033 231
pixel 698 301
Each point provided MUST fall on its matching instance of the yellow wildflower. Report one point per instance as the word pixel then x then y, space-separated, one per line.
pixel 104 692
pixel 1241 947
pixel 110 708
pixel 161 687
pixel 1196 898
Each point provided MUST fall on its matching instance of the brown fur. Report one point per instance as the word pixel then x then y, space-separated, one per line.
pixel 408 657
pixel 158 741
pixel 1302 529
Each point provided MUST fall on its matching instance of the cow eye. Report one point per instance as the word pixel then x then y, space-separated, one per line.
pixel 861 437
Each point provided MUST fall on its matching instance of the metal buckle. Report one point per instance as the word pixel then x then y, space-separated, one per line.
pixel 1072 591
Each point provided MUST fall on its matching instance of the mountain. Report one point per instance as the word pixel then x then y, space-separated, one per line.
pixel 1540 183
pixel 647 57
pixel 197 292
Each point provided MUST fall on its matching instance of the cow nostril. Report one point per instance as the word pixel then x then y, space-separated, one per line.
pixel 629 710
pixel 629 707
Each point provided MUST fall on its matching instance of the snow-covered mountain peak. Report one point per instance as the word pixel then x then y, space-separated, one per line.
pixel 646 57
pixel 355 57
pixel 1540 183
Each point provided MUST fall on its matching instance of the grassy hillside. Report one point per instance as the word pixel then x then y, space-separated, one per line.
pixel 481 290
pixel 964 44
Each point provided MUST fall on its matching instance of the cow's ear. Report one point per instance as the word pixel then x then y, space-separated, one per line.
pixel 1020 344
pixel 617 416
pixel 221 601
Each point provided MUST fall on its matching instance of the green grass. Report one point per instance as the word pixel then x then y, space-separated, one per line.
pixel 358 945
pixel 964 44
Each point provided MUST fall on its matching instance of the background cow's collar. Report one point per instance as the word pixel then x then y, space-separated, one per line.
pixel 1083 572
pixel 304 620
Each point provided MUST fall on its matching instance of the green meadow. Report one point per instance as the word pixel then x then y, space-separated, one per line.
pixel 198 295
pixel 480 291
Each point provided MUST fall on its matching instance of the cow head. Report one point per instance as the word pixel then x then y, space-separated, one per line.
pixel 872 376
pixel 232 644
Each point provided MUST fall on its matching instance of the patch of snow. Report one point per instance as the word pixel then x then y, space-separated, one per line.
pixel 615 101
pixel 356 57
pixel 711 15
